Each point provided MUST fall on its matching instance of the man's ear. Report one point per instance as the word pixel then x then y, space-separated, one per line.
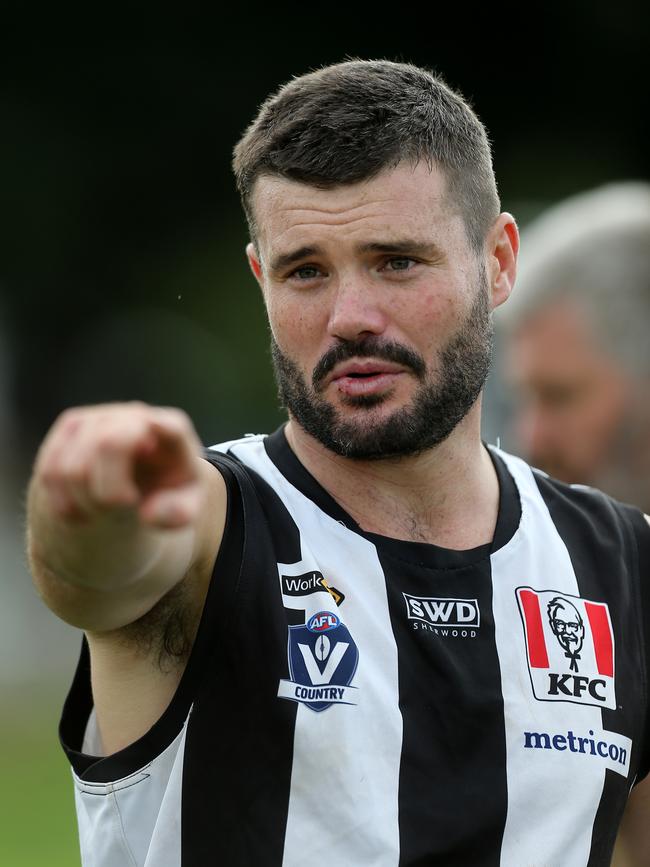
pixel 502 245
pixel 255 263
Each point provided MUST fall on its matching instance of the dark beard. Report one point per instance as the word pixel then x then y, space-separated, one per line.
pixel 437 407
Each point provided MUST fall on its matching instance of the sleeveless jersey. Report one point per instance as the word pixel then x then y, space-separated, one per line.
pixel 357 700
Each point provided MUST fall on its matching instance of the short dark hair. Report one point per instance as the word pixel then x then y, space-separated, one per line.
pixel 346 122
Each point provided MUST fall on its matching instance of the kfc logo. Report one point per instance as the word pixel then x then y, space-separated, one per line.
pixel 570 651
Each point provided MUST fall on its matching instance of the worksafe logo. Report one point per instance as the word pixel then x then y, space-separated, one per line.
pixel 308 583
pixel 323 659
pixel 454 618
pixel 569 647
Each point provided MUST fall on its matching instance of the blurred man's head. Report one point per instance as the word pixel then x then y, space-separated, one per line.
pixel 578 344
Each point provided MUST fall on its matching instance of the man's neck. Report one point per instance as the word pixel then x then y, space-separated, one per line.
pixel 447 496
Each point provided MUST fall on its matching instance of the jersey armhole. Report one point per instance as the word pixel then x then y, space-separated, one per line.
pixel 217 612
pixel 641 534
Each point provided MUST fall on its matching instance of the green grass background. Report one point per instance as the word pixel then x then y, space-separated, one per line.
pixel 37 819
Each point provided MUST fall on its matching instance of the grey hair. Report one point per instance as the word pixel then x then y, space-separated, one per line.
pixel 592 250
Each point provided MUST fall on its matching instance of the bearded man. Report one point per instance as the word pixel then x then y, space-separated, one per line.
pixel 327 645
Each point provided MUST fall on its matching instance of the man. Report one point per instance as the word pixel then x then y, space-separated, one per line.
pixel 578 348
pixel 330 645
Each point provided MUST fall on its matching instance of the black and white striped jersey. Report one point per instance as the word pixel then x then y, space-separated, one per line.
pixel 357 700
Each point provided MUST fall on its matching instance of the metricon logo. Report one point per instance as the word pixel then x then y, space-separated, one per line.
pixel 610 748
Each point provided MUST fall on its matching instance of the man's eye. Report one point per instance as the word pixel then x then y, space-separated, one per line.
pixel 306 272
pixel 400 263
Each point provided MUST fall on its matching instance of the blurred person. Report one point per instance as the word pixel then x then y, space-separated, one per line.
pixel 348 642
pixel 577 349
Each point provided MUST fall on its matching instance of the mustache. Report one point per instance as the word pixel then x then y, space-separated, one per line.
pixel 368 347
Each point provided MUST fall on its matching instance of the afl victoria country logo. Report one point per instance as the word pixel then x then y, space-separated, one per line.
pixel 322 662
pixel 569 647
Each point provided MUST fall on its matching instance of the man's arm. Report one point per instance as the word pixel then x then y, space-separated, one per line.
pixel 121 509
pixel 633 843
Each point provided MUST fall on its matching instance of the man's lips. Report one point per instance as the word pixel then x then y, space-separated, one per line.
pixel 364 368
pixel 368 376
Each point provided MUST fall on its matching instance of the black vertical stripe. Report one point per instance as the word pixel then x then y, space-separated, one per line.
pixel 239 752
pixel 605 830
pixel 452 786
pixel 641 532
pixel 600 541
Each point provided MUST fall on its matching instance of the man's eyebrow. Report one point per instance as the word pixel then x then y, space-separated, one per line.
pixel 283 260
pixel 405 247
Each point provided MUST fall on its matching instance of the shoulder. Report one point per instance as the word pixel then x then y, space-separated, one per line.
pixel 229 447
pixel 239 459
pixel 580 512
pixel 577 497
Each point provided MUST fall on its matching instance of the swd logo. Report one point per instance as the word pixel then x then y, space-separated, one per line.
pixel 569 647
pixel 455 618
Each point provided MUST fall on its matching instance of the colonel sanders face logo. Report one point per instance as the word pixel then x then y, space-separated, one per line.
pixel 568 628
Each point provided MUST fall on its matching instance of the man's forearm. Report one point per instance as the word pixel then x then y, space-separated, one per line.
pixel 105 553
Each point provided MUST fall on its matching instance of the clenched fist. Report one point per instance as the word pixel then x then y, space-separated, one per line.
pixel 114 457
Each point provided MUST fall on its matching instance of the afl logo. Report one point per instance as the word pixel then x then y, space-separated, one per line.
pixel 323 622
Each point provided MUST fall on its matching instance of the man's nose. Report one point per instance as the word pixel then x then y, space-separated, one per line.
pixel 356 310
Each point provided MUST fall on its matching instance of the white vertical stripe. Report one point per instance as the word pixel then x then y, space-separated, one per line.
pixel 134 821
pixel 343 806
pixel 553 795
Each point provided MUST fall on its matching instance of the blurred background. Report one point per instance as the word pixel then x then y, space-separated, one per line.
pixel 122 272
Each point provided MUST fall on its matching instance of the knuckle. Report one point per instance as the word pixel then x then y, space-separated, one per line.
pixel 178 417
pixel 118 437
pixel 76 474
pixel 67 422
pixel 174 421
pixel 113 500
pixel 71 512
pixel 107 443
pixel 138 405
pixel 69 464
pixel 49 476
pixel 68 414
